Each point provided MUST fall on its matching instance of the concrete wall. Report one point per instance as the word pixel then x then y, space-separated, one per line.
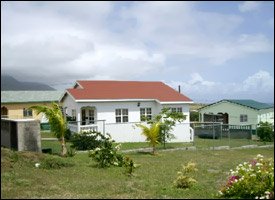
pixel 21 134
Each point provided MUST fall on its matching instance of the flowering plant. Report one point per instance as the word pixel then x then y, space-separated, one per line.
pixel 106 155
pixel 254 179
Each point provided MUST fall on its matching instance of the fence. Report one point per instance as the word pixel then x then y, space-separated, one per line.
pixel 214 134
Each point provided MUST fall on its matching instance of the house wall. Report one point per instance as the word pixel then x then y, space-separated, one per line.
pixel 127 132
pixel 15 110
pixel 266 115
pixel 234 111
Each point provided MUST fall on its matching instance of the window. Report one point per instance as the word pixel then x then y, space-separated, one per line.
pixel 243 118
pixel 27 112
pixel 73 114
pixel 145 113
pixel 178 109
pixel 121 115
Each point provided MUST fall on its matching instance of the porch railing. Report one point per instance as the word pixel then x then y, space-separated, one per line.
pixel 75 126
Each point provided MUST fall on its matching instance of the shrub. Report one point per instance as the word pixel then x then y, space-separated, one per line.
pixel 184 180
pixel 265 131
pixel 71 152
pixel 87 140
pixel 251 180
pixel 106 155
pixel 54 162
pixel 129 165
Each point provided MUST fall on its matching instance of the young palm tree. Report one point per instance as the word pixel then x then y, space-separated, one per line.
pixel 57 122
pixel 151 134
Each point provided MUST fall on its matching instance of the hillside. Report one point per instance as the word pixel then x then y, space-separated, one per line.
pixel 10 83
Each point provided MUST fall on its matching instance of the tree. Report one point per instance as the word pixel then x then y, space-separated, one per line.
pixel 57 122
pixel 151 133
pixel 265 131
pixel 167 120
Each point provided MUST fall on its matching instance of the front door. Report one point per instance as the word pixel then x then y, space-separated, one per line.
pixel 88 116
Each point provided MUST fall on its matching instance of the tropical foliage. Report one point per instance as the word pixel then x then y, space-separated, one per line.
pixel 250 180
pixel 265 131
pixel 57 122
pixel 151 133
pixel 184 180
pixel 166 121
pixel 106 155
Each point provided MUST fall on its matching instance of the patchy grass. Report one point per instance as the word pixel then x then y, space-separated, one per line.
pixel 153 179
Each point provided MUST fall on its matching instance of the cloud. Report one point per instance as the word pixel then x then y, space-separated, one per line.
pixel 259 86
pixel 248 6
pixel 60 42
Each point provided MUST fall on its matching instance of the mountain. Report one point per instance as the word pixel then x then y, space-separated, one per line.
pixel 10 83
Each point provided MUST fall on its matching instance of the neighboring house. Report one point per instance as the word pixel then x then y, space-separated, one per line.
pixel 15 104
pixel 237 112
pixel 116 106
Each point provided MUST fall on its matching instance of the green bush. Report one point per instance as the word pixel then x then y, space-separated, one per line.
pixel 106 155
pixel 184 180
pixel 54 162
pixel 265 132
pixel 87 140
pixel 250 180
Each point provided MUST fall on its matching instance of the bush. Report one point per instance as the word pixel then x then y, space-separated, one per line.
pixel 54 162
pixel 106 155
pixel 87 140
pixel 265 132
pixel 184 180
pixel 251 180
pixel 68 135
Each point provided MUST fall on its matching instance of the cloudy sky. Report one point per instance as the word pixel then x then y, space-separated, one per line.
pixel 213 50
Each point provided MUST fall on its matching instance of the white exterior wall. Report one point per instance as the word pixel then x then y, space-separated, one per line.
pixel 127 132
pixel 266 115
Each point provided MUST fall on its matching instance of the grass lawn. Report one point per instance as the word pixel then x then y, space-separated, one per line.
pixel 153 179
pixel 198 142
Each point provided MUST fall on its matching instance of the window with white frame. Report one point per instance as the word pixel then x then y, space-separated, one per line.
pixel 27 112
pixel 121 115
pixel 243 118
pixel 145 113
pixel 176 109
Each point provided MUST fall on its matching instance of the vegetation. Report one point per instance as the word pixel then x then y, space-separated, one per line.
pixel 167 120
pixel 106 155
pixel 57 122
pixel 184 180
pixel 151 134
pixel 153 179
pixel 87 140
pixel 161 126
pixel 250 180
pixel 266 131
pixel 194 116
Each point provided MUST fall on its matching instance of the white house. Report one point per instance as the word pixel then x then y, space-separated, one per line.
pixel 237 112
pixel 115 107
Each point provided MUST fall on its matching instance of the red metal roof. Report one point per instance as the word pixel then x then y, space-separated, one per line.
pixel 109 90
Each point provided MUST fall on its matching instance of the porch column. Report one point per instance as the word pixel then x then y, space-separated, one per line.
pixel 78 119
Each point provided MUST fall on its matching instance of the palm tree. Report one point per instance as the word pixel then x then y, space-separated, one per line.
pixel 57 122
pixel 151 134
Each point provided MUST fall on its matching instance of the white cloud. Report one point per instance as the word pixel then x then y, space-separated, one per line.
pixel 259 86
pixel 249 6
pixel 261 81
pixel 60 42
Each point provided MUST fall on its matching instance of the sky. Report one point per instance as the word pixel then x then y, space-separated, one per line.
pixel 213 50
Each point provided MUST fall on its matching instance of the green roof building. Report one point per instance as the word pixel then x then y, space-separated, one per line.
pixel 15 104
pixel 237 112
